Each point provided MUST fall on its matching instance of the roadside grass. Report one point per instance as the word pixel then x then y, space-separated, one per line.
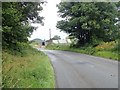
pixel 53 46
pixel 32 70
pixel 107 54
pixel 106 50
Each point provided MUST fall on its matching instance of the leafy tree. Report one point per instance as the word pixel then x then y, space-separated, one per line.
pixel 16 19
pixel 88 22
pixel 118 18
pixel 30 11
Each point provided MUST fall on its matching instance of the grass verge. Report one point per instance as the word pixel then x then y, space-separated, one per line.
pixel 96 51
pixel 32 70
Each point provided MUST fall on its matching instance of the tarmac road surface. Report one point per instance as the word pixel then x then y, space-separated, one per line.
pixel 75 70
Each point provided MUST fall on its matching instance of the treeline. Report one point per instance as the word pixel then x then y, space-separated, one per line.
pixel 16 22
pixel 90 23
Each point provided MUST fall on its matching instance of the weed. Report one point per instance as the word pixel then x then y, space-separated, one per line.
pixel 31 71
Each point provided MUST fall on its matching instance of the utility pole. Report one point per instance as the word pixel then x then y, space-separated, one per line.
pixel 50 34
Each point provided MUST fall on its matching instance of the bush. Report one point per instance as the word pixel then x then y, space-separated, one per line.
pixel 106 46
pixel 105 49
pixel 21 49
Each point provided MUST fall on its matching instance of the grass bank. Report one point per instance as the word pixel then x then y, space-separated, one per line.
pixel 32 70
pixel 106 50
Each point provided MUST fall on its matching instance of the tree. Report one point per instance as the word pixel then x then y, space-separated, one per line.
pixel 88 22
pixel 16 19
pixel 118 18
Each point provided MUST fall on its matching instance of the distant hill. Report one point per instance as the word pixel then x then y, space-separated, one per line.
pixel 37 40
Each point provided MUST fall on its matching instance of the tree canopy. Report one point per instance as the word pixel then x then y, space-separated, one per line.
pixel 89 22
pixel 16 19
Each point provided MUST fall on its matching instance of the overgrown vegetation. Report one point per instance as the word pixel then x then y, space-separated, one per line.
pixel 16 22
pixel 23 66
pixel 29 69
pixel 106 50
pixel 89 22
pixel 93 27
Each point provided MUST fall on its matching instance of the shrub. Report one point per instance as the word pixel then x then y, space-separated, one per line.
pixel 106 46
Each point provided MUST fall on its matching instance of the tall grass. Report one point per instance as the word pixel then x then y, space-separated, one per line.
pixel 32 70
pixel 106 49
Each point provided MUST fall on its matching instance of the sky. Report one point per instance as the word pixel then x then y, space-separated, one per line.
pixel 51 17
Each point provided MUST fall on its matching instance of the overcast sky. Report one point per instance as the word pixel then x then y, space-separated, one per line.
pixel 51 18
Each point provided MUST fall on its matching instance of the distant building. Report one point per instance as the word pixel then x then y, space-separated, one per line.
pixel 62 41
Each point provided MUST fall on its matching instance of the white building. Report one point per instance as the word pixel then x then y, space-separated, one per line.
pixel 62 41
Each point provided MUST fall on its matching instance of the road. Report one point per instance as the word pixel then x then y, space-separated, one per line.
pixel 75 70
